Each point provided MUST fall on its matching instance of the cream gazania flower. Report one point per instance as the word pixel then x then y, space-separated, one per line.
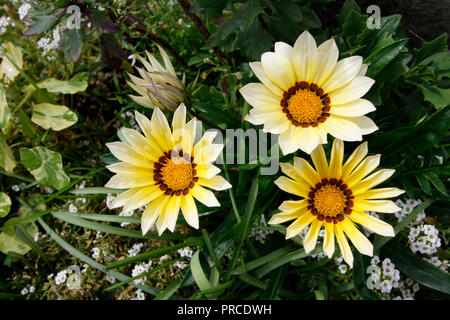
pixel 338 195
pixel 165 170
pixel 159 86
pixel 306 93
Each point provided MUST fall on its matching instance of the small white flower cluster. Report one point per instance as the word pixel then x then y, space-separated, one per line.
pixel 5 22
pixel 139 295
pixel 48 45
pixel 424 238
pixel 23 10
pixel 61 277
pixel 406 208
pixel 139 269
pixel 437 262
pixel 164 258
pixel 180 265
pixel 27 290
pixel 110 279
pixel 135 249
pixel 386 278
pixel 185 252
pixel 17 188
pixel 73 208
pixel 258 234
pixel 96 253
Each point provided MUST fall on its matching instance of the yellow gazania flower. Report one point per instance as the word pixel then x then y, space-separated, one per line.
pixel 165 170
pixel 306 93
pixel 159 86
pixel 336 194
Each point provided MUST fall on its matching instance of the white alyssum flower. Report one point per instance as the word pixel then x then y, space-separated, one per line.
pixel 73 208
pixel 139 295
pixel 343 268
pixel 424 239
pixel 24 291
pixel 110 279
pixel 259 234
pixel 180 265
pixel 23 10
pixel 139 269
pixel 185 252
pixel 61 277
pixel 135 249
pixel 96 253
pixel 15 188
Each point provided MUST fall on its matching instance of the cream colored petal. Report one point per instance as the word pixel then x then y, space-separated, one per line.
pixel 206 170
pixel 189 209
pixel 172 210
pixel 381 193
pixel 140 144
pixel 287 216
pixel 144 123
pixel 143 101
pixel 311 238
pixel 363 70
pixel 385 206
pixel 357 238
pixel 289 170
pixel 328 241
pixel 123 152
pixel 284 49
pixel 211 152
pixel 161 224
pixel 155 64
pixel 259 72
pixel 278 69
pixel 217 183
pixel 205 196
pixel 355 89
pixel 152 212
pixel 130 180
pixel 293 205
pixel 260 97
pixel 363 169
pixel 336 159
pixel 305 170
pixel 355 158
pixel 372 180
pixel 161 130
pixel 124 167
pixel 167 62
pixel 344 71
pixel 322 134
pixel 307 139
pixel 355 108
pixel 141 198
pixel 292 186
pixel 286 140
pixel 189 135
pixel 276 122
pixel 342 129
pixel 298 225
pixel 343 245
pixel 324 62
pixel 320 161
pixel 304 52
pixel 122 198
pixel 366 124
pixel 375 225
pixel 179 118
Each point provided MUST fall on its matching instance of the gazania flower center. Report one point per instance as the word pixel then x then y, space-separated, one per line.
pixel 306 104
pixel 175 173
pixel 330 199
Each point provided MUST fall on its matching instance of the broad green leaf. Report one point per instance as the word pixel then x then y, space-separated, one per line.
pixel 424 184
pixel 5 204
pixel 380 59
pixel 7 160
pixel 347 7
pixel 78 83
pixel 431 49
pixel 53 116
pixel 4 110
pixel 41 23
pixel 72 42
pixel 437 183
pixel 46 167
pixel 96 190
pixel 9 242
pixel 12 57
pixel 437 96
pixel 417 268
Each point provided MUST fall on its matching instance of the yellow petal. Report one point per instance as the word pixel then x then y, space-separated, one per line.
pixel 357 238
pixel 305 170
pixel 189 210
pixel 179 118
pixel 343 245
pixel 381 193
pixel 124 152
pixel 161 130
pixel 292 205
pixel 298 225
pixel 355 158
pixel 320 161
pixel 172 209
pixel 311 238
pixel 130 180
pixel 161 224
pixel 151 213
pixel 374 179
pixel 167 62
pixel 344 71
pixel 144 123
pixel 364 168
pixel 205 196
pixel 206 170
pixel 328 242
pixel 140 144
pixel 375 225
pixel 385 206
pixel 287 216
pixel 217 183
pixel 292 186
pixel 142 197
pixel 337 157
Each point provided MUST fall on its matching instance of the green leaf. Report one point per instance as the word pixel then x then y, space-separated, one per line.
pixel 379 59
pixel 429 50
pixel 5 204
pixel 255 41
pixel 53 116
pixel 41 23
pixel 9 242
pixel 437 183
pixel 360 264
pixel 77 83
pixel 72 42
pixel 12 61
pixel 347 7
pixel 417 268
pixel 46 167
pixel 436 96
pixel 7 160
pixel 4 110
pixel 97 190
pixel 424 184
